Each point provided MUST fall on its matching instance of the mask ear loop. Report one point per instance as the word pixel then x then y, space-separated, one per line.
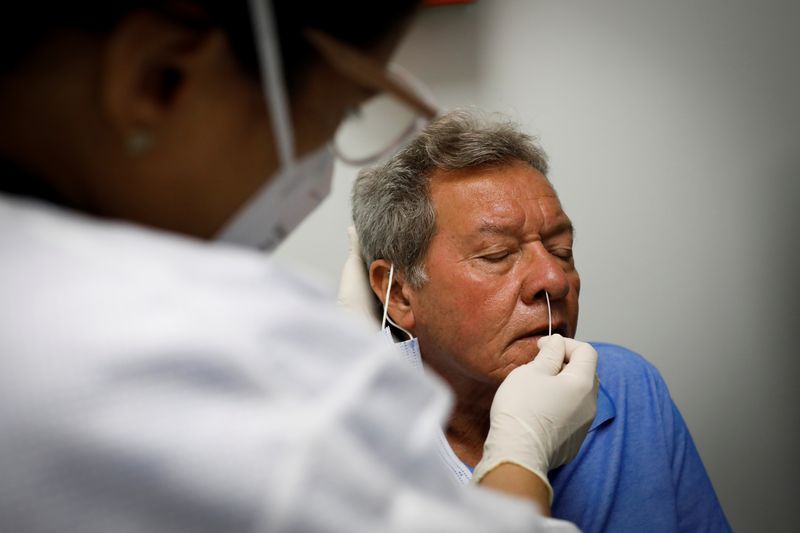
pixel 273 84
pixel 386 316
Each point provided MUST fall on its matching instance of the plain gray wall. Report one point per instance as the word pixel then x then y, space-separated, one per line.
pixel 674 137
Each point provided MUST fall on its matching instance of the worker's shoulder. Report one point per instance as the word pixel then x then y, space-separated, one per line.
pixel 86 280
pixel 74 249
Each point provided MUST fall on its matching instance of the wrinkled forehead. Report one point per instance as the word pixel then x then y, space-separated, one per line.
pixel 495 197
pixel 517 173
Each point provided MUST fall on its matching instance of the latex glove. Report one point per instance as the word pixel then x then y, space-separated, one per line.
pixel 355 293
pixel 542 410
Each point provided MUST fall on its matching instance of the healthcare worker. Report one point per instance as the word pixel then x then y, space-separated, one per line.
pixel 155 378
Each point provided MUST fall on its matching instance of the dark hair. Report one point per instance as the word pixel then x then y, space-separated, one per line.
pixel 362 23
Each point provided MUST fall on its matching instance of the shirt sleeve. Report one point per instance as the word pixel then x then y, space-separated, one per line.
pixel 698 508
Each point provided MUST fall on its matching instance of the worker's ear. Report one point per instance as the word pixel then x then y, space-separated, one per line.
pixel 400 310
pixel 148 64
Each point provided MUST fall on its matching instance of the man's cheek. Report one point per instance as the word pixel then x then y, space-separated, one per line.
pixel 575 281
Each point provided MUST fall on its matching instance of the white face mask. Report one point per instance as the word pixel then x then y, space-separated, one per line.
pixel 282 203
pixel 299 185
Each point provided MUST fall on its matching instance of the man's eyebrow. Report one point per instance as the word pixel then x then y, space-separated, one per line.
pixel 498 228
pixel 564 226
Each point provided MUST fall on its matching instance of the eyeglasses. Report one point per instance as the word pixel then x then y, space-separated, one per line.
pixel 385 122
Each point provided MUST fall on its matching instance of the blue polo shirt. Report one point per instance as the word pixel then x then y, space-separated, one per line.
pixel 638 469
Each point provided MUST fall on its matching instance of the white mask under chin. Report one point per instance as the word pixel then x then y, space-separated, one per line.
pixel 299 185
pixel 408 349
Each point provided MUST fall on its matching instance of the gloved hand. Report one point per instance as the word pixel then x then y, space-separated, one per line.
pixel 541 412
pixel 355 293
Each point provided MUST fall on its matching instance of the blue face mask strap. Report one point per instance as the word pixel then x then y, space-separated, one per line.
pixel 386 316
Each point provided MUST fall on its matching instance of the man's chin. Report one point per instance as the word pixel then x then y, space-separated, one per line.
pixel 524 350
pixel 520 353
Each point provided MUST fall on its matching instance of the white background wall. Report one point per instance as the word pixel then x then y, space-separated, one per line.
pixel 674 136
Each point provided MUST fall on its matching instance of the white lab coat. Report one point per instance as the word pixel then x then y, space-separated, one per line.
pixel 152 383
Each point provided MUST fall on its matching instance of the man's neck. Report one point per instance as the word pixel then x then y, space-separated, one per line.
pixel 469 424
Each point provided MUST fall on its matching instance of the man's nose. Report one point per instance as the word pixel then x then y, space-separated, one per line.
pixel 544 272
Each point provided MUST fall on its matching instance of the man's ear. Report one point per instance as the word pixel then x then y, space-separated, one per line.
pixel 147 62
pixel 400 310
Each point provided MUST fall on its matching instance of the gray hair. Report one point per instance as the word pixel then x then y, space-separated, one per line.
pixel 392 210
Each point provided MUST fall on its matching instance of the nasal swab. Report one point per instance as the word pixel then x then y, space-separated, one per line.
pixel 549 315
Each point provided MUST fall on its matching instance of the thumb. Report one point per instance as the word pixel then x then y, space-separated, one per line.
pixel 551 355
pixel 582 358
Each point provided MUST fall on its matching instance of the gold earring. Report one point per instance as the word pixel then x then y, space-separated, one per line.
pixel 138 142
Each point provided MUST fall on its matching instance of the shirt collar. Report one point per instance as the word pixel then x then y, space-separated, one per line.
pixel 605 409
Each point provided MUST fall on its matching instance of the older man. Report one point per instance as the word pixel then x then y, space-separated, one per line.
pixel 480 252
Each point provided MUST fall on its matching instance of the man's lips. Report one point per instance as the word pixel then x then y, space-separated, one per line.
pixel 558 327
